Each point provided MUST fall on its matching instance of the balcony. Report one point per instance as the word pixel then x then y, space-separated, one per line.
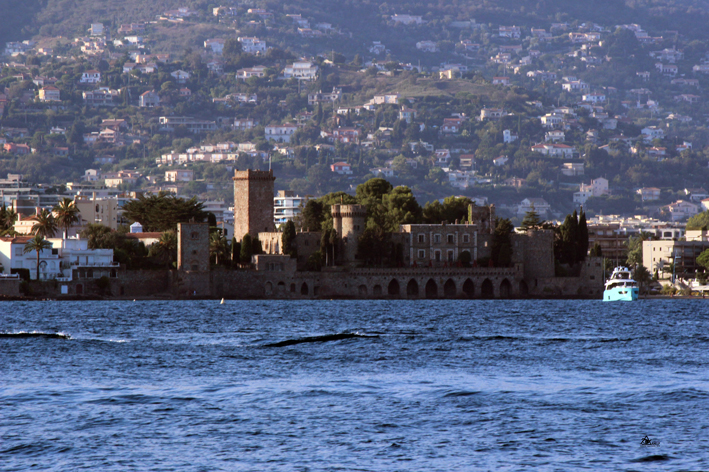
pixel 95 264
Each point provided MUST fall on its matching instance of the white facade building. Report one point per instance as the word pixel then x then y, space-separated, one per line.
pixel 281 133
pixel 59 262
pixel 303 70
pixel 287 205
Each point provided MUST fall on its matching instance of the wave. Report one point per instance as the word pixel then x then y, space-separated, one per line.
pixel 653 458
pixel 461 393
pixel 319 339
pixel 500 337
pixel 34 334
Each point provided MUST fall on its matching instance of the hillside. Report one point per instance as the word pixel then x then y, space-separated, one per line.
pixel 364 19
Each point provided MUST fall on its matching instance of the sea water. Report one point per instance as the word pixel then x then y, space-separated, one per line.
pixel 421 386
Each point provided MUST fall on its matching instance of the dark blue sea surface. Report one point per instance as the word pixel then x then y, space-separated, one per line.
pixel 426 386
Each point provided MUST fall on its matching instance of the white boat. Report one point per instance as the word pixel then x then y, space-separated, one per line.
pixel 621 286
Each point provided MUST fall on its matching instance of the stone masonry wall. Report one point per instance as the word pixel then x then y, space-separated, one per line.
pixel 253 202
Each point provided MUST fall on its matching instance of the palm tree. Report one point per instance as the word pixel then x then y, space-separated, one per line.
pixel 38 243
pixel 218 246
pixel 67 214
pixel 165 248
pixel 46 225
pixel 8 219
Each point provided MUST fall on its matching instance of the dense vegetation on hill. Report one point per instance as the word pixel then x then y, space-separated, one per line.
pixel 363 18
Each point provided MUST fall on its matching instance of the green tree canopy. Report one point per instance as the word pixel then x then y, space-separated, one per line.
pixel 699 221
pixel 401 208
pixel 246 249
pixel 703 259
pixel 452 209
pixel 46 224
pixel 502 243
pixel 67 214
pixel 163 211
pixel 531 220
pixel 288 239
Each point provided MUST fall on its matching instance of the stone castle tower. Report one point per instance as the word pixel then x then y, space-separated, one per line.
pixel 193 247
pixel 349 222
pixel 253 202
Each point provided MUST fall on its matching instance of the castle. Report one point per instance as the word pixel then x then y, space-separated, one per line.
pixel 429 265
pixel 427 260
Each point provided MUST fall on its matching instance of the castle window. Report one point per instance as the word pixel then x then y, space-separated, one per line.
pixel 422 238
pixel 450 256
pixel 436 238
pixel 450 239
pixel 422 253
pixel 438 256
pixel 195 235
pixel 466 238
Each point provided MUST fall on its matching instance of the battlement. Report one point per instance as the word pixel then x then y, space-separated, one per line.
pixel 349 211
pixel 249 174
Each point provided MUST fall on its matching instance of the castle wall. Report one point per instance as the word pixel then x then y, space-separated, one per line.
pixel 9 287
pixel 534 249
pixel 371 283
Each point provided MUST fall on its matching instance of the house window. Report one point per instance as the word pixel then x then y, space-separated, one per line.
pixel 18 251
pixel 466 238
pixel 436 238
pixel 422 253
pixel 422 238
pixel 450 239
pixel 438 256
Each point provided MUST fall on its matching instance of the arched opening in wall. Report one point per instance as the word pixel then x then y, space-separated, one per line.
pixel 469 288
pixel 487 290
pixel 505 289
pixel 362 290
pixel 412 289
pixel 449 290
pixel 377 291
pixel 304 289
pixel 79 289
pixel 393 289
pixel 281 287
pixel 523 289
pixel 431 289
pixel 269 288
pixel 292 288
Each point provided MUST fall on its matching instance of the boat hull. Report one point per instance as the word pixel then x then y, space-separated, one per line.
pixel 621 294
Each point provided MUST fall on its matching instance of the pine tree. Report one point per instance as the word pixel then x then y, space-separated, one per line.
pixel 288 239
pixel 531 220
pixel 246 249
pixel 582 241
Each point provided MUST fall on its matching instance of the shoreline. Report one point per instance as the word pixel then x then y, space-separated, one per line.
pixel 167 298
